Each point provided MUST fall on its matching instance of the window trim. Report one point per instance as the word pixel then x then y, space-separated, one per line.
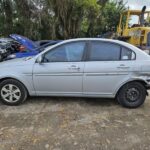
pixel 83 57
pixel 84 51
pixel 121 46
pixel 131 51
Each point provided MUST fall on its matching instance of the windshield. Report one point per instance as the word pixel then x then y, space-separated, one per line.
pixel 135 20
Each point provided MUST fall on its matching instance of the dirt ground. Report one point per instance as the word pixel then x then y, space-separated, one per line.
pixel 74 124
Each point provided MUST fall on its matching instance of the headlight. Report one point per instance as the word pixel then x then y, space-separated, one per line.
pixel 12 56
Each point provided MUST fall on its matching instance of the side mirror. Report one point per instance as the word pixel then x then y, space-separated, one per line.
pixel 39 59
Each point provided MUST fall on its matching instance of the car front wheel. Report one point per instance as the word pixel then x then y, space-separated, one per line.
pixel 12 92
pixel 132 95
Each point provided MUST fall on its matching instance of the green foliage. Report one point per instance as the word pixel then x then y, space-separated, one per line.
pixel 59 19
pixel 111 15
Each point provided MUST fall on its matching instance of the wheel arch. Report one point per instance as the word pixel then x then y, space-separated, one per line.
pixel 6 78
pixel 144 83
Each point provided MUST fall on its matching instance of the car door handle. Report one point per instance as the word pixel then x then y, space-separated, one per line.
pixel 123 67
pixel 74 67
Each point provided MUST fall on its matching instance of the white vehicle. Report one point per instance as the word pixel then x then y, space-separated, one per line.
pixel 82 68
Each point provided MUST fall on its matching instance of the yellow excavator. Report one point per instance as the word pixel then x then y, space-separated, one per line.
pixel 134 28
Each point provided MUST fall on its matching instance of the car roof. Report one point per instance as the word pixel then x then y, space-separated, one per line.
pixel 140 54
pixel 99 39
pixel 96 39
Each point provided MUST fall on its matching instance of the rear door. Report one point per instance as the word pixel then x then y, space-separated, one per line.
pixel 108 65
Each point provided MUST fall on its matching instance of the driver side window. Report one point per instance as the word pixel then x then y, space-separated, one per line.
pixel 72 52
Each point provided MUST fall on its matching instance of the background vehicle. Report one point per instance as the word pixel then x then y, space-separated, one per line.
pixel 24 41
pixel 13 44
pixel 43 42
pixel 136 29
pixel 33 52
pixel 3 52
pixel 9 46
pixel 29 44
pixel 6 48
pixel 81 68
pixel 18 46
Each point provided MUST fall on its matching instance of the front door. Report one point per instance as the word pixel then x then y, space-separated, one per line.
pixel 61 72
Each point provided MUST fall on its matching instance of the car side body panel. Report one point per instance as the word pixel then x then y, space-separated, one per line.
pixel 103 78
pixel 21 72
pixel 100 79
pixel 58 78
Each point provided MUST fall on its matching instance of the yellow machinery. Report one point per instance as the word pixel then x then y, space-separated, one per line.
pixel 134 28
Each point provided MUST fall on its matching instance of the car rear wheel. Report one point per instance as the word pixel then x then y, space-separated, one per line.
pixel 12 92
pixel 132 95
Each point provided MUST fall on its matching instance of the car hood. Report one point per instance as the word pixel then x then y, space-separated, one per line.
pixel 16 62
pixel 29 44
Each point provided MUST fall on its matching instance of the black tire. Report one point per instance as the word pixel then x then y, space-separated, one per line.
pixel 22 92
pixel 132 95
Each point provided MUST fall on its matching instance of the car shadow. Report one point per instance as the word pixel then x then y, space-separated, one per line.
pixel 69 100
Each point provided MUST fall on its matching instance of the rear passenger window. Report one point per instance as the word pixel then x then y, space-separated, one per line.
pixel 104 51
pixel 127 54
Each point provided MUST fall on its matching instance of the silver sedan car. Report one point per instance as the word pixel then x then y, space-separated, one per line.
pixel 87 67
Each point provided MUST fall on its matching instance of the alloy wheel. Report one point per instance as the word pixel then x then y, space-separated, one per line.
pixel 10 93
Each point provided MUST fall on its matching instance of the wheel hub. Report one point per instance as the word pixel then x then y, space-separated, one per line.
pixel 10 93
pixel 132 94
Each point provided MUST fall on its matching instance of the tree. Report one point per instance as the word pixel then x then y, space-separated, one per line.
pixel 55 19
pixel 6 17
pixel 111 14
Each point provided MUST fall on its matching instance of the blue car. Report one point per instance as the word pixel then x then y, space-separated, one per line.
pixel 32 52
pixel 29 44
pixel 31 48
